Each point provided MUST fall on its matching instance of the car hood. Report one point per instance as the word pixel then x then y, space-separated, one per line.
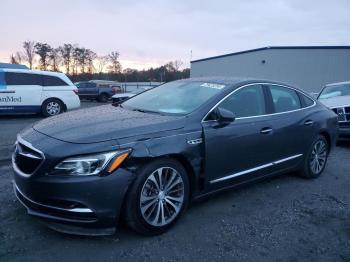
pixel 338 101
pixel 104 123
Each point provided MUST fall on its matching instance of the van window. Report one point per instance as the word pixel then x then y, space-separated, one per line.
pixel 53 81
pixel 2 80
pixel 13 78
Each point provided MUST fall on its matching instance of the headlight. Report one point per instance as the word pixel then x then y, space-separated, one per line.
pixel 89 165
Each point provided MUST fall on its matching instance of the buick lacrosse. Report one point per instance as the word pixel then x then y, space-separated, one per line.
pixel 147 158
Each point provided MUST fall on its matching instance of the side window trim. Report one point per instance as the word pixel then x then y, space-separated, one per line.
pixel 269 108
pixel 234 91
pixel 263 84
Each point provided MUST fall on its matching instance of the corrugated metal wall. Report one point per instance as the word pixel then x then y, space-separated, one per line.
pixel 308 69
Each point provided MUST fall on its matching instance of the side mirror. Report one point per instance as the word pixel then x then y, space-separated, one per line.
pixel 225 116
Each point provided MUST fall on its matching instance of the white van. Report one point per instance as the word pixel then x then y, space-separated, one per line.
pixel 29 91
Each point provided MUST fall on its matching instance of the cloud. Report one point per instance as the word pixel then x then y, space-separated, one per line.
pixel 154 32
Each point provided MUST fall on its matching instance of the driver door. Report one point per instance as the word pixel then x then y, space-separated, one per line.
pixel 239 151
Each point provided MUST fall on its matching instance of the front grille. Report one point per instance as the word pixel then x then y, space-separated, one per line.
pixel 343 114
pixel 27 159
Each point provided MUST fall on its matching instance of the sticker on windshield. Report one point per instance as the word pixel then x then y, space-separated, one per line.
pixel 212 85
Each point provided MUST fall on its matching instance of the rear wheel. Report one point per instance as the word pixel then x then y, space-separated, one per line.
pixel 103 98
pixel 158 197
pixel 52 107
pixel 316 160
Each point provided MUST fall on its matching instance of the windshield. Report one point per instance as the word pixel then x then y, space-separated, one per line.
pixel 335 90
pixel 174 97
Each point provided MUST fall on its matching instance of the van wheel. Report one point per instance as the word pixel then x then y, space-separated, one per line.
pixel 52 107
pixel 103 98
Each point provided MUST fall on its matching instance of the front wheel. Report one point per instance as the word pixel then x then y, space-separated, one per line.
pixel 158 197
pixel 52 107
pixel 316 160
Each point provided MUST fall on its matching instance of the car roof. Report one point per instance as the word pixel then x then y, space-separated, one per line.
pixel 232 81
pixel 338 83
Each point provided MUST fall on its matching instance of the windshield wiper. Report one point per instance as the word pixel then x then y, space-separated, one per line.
pixel 147 111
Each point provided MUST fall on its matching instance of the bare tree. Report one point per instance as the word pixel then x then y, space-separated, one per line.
pixel 55 59
pixel 76 59
pixel 170 67
pixel 16 58
pixel 177 64
pixel 13 59
pixel 66 52
pixel 43 50
pixel 90 57
pixel 101 62
pixel 29 52
pixel 115 66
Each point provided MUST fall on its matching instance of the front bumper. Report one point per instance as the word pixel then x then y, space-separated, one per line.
pixel 76 205
pixel 344 133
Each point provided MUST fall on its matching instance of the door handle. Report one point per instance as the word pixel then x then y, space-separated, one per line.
pixel 266 130
pixel 308 122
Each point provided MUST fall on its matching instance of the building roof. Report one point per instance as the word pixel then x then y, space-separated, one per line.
pixel 13 66
pixel 272 47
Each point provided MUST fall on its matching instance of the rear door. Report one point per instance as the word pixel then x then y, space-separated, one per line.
pixel 81 89
pixel 88 90
pixel 92 89
pixel 54 86
pixel 291 125
pixel 21 92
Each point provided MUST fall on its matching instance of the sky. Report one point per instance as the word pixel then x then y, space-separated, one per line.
pixel 152 32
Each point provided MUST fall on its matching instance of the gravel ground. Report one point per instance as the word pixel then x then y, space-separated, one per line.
pixel 280 219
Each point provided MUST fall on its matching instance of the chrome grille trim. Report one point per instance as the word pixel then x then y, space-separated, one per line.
pixel 28 155
pixel 343 113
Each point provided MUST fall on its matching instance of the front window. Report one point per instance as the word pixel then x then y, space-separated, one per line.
pixel 246 102
pixel 335 90
pixel 174 97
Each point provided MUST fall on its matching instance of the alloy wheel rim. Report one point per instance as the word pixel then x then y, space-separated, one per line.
pixel 53 108
pixel 318 157
pixel 162 196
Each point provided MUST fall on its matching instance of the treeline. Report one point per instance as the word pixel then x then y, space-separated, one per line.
pixel 81 63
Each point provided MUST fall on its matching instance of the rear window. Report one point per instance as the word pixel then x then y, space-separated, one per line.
pixel 284 99
pixel 13 78
pixel 53 81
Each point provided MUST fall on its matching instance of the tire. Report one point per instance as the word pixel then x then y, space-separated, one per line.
pixel 103 98
pixel 316 159
pixel 144 202
pixel 52 107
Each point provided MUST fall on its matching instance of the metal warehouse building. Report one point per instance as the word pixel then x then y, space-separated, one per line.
pixel 309 67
